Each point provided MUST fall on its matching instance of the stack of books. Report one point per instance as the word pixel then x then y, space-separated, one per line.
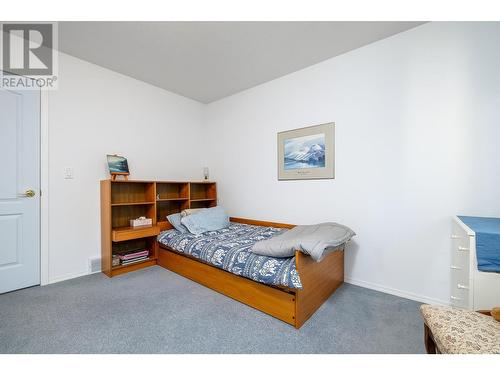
pixel 133 256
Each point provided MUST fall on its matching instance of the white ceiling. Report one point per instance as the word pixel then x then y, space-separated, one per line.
pixel 207 61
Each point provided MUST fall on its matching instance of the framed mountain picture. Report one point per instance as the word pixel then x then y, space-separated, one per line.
pixel 117 165
pixel 307 153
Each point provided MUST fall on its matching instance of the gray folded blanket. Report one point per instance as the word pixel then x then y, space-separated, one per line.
pixel 316 240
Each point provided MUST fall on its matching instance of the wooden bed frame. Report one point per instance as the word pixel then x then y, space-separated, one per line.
pixel 293 306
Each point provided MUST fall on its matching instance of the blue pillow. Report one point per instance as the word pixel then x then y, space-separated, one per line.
pixel 211 219
pixel 175 220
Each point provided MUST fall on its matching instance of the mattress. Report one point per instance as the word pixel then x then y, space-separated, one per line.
pixel 229 249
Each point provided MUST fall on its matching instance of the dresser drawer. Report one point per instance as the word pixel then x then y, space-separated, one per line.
pixel 460 288
pixel 129 233
pixel 460 253
pixel 460 263
pixel 460 295
pixel 459 275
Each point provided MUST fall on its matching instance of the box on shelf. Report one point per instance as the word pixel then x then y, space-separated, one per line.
pixel 141 222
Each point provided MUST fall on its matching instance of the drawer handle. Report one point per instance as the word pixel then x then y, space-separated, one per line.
pixel 455 267
pixel 463 248
pixel 455 298
pixel 460 286
pixel 456 237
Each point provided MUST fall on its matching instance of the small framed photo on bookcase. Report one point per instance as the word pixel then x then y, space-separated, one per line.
pixel 307 153
pixel 118 166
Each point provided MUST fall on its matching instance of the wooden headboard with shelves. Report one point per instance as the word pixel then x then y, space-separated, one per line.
pixel 123 200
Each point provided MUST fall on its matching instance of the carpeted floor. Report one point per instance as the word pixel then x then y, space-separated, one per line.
pixel 157 311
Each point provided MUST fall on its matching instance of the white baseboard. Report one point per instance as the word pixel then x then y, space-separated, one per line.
pixel 395 292
pixel 66 277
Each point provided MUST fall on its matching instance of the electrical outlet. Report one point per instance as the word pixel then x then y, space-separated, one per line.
pixel 69 174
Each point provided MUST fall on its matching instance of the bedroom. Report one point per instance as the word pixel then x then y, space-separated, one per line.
pixel 217 114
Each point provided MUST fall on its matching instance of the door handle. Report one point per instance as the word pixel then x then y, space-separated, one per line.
pixel 30 193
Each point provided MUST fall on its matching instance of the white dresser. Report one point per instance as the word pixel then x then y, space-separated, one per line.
pixel 470 288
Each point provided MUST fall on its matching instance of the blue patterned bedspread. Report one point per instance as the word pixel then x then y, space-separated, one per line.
pixel 229 249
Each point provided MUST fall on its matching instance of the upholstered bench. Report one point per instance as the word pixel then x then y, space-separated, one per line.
pixel 455 331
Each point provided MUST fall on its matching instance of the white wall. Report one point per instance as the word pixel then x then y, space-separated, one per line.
pixel 94 112
pixel 417 132
pixel 416 142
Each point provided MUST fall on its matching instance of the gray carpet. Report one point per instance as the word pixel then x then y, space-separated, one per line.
pixel 157 311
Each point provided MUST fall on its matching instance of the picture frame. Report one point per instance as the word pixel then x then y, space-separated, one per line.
pixel 118 166
pixel 307 153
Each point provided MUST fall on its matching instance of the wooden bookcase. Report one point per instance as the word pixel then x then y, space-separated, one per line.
pixel 171 197
pixel 122 201
pixel 202 195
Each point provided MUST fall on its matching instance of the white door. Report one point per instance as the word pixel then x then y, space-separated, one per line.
pixel 19 178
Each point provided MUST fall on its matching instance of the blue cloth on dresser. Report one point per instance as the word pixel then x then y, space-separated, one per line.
pixel 487 231
pixel 229 249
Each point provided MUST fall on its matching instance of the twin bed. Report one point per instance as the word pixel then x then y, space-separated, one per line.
pixel 290 289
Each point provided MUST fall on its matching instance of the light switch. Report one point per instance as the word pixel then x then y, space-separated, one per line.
pixel 69 174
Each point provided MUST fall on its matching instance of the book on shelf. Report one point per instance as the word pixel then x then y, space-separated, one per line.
pixel 135 260
pixel 133 254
